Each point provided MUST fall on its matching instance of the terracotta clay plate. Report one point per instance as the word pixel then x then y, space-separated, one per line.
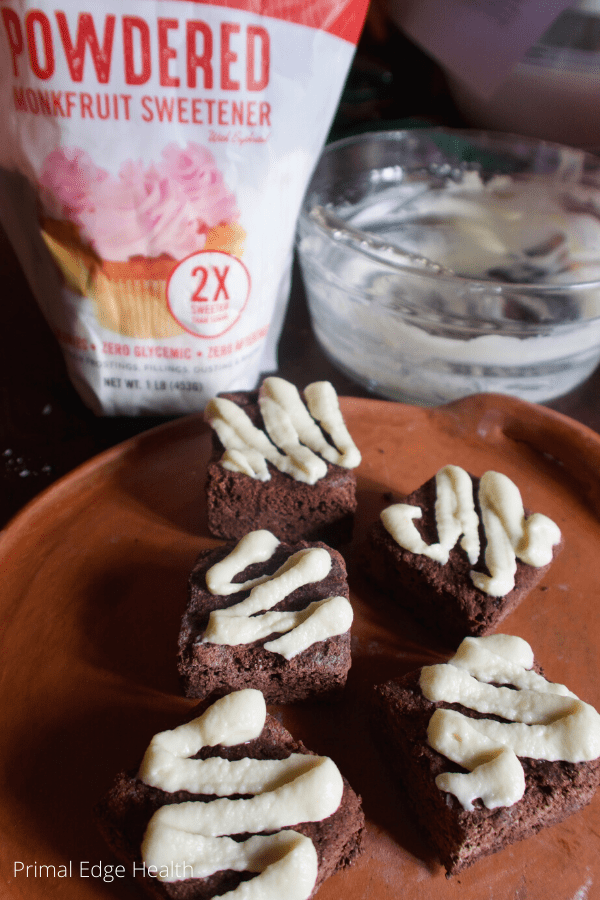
pixel 93 586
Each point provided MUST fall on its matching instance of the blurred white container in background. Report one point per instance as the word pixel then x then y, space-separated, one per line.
pixel 554 91
pixel 526 68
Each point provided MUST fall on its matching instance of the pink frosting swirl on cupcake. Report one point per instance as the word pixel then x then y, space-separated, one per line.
pixel 195 170
pixel 69 180
pixel 141 213
pixel 164 209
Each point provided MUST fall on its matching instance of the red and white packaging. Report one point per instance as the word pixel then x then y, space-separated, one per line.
pixel 154 158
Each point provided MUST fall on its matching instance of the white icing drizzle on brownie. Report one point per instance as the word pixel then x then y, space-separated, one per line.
pixel 249 620
pixel 291 428
pixel 189 839
pixel 544 720
pixel 254 547
pixel 509 533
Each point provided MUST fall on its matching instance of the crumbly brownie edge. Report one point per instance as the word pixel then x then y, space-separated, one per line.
pixel 122 816
pixel 292 510
pixel 554 790
pixel 320 672
pixel 442 597
pixel 211 669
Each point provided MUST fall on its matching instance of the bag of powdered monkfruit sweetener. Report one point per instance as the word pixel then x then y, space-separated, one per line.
pixel 154 158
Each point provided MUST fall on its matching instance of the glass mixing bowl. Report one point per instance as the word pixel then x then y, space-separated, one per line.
pixel 439 263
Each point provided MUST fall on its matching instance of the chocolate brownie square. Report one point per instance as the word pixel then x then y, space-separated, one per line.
pixel 292 508
pixel 133 814
pixel 211 664
pixel 444 595
pixel 463 831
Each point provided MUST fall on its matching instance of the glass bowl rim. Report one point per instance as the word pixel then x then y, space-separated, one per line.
pixel 466 282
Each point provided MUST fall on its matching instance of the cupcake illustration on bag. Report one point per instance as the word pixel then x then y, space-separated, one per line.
pixel 118 239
